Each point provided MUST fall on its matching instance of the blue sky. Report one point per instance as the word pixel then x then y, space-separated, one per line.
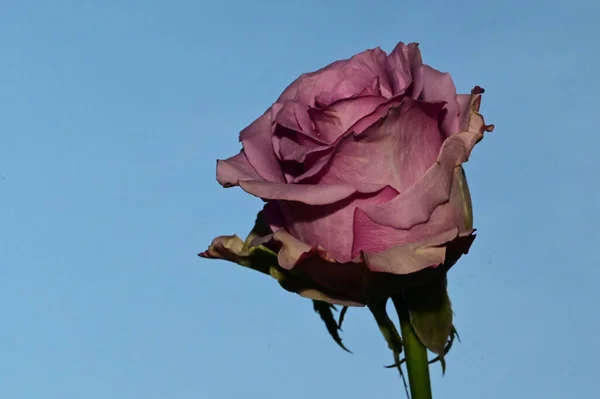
pixel 112 114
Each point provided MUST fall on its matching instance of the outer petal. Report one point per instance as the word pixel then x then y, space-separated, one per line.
pixel 439 86
pixel 329 226
pixel 339 80
pixel 224 247
pixel 370 236
pixel 237 171
pixel 256 140
pixel 311 194
pixel 411 258
pixel 392 250
pixel 463 115
pixel 348 283
pixel 234 169
pixel 363 73
pixel 416 204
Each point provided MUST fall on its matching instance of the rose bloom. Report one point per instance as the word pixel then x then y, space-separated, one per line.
pixel 360 167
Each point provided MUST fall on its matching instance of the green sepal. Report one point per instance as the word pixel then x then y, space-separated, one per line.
pixel 390 334
pixel 325 311
pixel 342 315
pixel 453 336
pixel 430 313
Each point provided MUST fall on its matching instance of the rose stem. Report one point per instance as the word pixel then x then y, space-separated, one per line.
pixel 415 353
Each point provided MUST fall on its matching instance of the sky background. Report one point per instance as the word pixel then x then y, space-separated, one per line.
pixel 112 114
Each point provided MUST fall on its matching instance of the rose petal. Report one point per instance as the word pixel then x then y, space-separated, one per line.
pixel 370 236
pixel 411 258
pixel 272 215
pixel 416 204
pixel 304 89
pixel 350 283
pixel 256 140
pixel 291 150
pixel 395 151
pixel 311 194
pixel 335 120
pixel 439 86
pixel 454 215
pixel 339 80
pixel 313 164
pixel 294 116
pixel 234 169
pixel 329 226
pixel 463 114
pixel 404 68
pixel 230 248
pixel 379 113
pixel 360 72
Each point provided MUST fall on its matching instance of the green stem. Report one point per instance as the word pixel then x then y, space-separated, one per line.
pixel 415 354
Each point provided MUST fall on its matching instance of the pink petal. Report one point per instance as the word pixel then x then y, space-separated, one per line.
pixel 454 215
pixel 290 149
pixel 379 113
pixel 309 85
pixel 295 117
pixel 404 68
pixel 329 226
pixel 339 80
pixel 314 163
pixel 311 194
pixel 360 72
pixel 256 140
pixel 370 236
pixel 395 151
pixel 439 86
pixel 416 204
pixel 349 283
pixel 411 258
pixel 463 114
pixel 234 169
pixel 335 120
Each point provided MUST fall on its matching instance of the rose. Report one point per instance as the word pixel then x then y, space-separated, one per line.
pixel 360 166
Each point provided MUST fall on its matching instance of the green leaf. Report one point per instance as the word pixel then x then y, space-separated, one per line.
pixel 325 310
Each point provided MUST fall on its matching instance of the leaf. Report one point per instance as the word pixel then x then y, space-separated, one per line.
pixel 325 310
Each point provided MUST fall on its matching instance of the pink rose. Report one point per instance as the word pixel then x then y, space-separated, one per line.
pixel 360 167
